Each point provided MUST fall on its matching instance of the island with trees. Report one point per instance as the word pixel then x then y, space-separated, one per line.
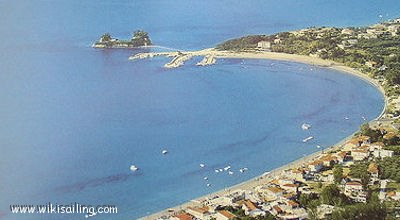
pixel 139 39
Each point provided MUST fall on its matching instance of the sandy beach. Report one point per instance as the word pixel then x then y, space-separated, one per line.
pixel 268 175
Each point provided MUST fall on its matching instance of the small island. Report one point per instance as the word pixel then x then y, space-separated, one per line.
pixel 139 39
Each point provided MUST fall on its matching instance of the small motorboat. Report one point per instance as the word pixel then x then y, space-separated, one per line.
pixel 307 139
pixel 164 152
pixel 133 168
pixel 305 126
pixel 202 165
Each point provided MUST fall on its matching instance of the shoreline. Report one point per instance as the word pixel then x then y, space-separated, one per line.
pixel 269 175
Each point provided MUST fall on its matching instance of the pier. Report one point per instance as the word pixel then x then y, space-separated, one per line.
pixel 207 60
pixel 179 58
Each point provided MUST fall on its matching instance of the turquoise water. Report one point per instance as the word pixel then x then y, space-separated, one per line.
pixel 73 119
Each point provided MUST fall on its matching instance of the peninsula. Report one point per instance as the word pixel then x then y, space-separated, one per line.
pixel 139 39
pixel 358 178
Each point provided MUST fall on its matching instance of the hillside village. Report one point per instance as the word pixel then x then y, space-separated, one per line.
pixel 361 177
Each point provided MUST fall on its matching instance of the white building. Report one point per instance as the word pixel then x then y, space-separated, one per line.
pixel 264 45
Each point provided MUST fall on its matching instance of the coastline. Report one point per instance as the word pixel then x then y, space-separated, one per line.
pixel 269 175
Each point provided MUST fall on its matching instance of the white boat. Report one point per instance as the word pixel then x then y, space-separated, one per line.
pixel 230 172
pixel 227 168
pixel 346 118
pixel 243 169
pixel 305 126
pixel 217 171
pixel 133 168
pixel 208 185
pixel 205 178
pixel 164 151
pixel 307 139
pixel 202 165
pixel 318 146
pixel 220 170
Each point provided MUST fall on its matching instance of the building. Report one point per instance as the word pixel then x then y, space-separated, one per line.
pixel 355 191
pixel 274 192
pixel 199 212
pixel 360 154
pixel 371 64
pixel 276 210
pixel 374 172
pixel 224 215
pixel 182 216
pixel 290 187
pixel 383 153
pixel 251 209
pixel 315 166
pixel 264 45
pixel 347 31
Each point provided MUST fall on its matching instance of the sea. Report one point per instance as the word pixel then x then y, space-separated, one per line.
pixel 73 119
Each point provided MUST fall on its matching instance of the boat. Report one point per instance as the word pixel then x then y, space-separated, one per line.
pixel 205 178
pixel 318 146
pixel 208 185
pixel 243 169
pixel 164 152
pixel 307 139
pixel 227 168
pixel 202 165
pixel 217 171
pixel 230 172
pixel 346 118
pixel 133 168
pixel 220 170
pixel 305 126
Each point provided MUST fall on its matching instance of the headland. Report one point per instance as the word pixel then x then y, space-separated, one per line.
pixel 281 193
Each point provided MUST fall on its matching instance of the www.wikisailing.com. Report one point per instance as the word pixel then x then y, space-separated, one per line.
pixel 73 208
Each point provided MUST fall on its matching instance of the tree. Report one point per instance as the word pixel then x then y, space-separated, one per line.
pixel 140 38
pixel 360 170
pixel 338 173
pixel 375 135
pixel 367 211
pixel 389 167
pixel 306 200
pixel 105 37
pixel 329 193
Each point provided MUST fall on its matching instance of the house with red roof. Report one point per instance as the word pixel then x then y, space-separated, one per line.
pixel 224 215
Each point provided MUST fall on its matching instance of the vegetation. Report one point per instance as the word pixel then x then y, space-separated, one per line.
pixel 382 50
pixel 389 168
pixel 309 200
pixel 139 38
pixel 241 215
pixel 373 210
pixel 375 135
pixel 359 170
pixel 394 148
pixel 331 195
pixel 338 173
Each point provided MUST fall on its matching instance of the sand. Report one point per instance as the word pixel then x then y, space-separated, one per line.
pixel 268 176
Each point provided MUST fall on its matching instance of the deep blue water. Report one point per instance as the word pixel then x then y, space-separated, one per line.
pixel 73 119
